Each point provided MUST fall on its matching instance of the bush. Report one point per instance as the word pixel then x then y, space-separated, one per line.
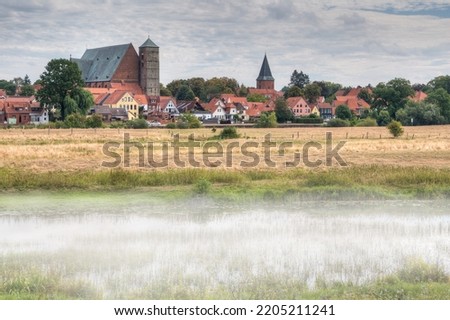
pixel 94 121
pixel 117 125
pixel 418 271
pixel 308 120
pixel 202 186
pixel 267 120
pixel 229 133
pixel 137 124
pixel 187 121
pixel 171 125
pixel 338 123
pixel 75 120
pixel 395 128
pixel 368 122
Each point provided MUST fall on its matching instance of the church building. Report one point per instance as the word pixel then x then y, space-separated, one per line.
pixel 121 67
pixel 265 83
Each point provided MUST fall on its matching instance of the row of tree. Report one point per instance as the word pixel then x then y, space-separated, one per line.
pixel 205 90
pixel 18 86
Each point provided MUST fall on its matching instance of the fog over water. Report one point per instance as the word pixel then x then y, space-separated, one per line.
pixel 122 243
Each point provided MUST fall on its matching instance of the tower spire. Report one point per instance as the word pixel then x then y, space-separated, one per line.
pixel 265 79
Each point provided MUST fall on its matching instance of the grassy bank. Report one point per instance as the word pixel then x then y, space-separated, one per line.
pixel 415 281
pixel 373 181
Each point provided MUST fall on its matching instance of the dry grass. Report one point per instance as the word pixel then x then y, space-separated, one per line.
pixel 78 149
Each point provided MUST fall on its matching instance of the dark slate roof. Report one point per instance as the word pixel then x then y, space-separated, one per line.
pixel 149 44
pixel 265 74
pixel 119 112
pixel 100 64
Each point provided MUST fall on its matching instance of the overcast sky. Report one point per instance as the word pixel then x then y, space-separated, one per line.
pixel 349 42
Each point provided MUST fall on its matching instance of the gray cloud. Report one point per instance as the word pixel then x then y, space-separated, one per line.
pixel 353 42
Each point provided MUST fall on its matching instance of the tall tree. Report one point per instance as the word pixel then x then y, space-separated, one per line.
pixel 164 91
pixel 343 112
pixel 328 89
pixel 441 98
pixel 27 90
pixel 26 80
pixel 62 86
pixel 8 86
pixel 440 82
pixel 312 92
pixel 185 93
pixel 299 79
pixel 175 85
pixel 366 95
pixel 293 91
pixel 392 96
pixel 282 111
pixel 198 87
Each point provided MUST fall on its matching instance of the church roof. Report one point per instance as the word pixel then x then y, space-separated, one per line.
pixel 265 74
pixel 100 64
pixel 149 44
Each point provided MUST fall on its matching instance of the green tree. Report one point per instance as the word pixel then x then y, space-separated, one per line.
pixel 312 92
pixel 402 116
pixel 164 91
pixel 293 91
pixel 392 96
pixel 175 85
pixel 419 87
pixel 61 86
pixel 328 89
pixel 282 111
pixel 8 86
pixel 185 93
pixel 256 97
pixel 421 113
pixel 216 86
pixel 243 91
pixel 366 95
pixel 441 98
pixel 26 80
pixel 440 82
pixel 267 120
pixel 343 112
pixel 27 90
pixel 198 87
pixel 299 79
pixel 383 118
pixel 83 99
pixel 395 128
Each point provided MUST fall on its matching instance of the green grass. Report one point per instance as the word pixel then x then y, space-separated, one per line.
pixel 34 285
pixel 432 284
pixel 415 281
pixel 362 181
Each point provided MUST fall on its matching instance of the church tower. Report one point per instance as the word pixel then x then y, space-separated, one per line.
pixel 149 68
pixel 265 79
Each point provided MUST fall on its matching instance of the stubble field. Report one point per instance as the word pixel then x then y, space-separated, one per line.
pixel 82 149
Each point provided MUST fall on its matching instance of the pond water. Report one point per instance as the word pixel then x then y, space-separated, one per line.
pixel 126 243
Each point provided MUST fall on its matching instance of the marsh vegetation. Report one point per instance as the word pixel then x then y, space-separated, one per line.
pixel 137 246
